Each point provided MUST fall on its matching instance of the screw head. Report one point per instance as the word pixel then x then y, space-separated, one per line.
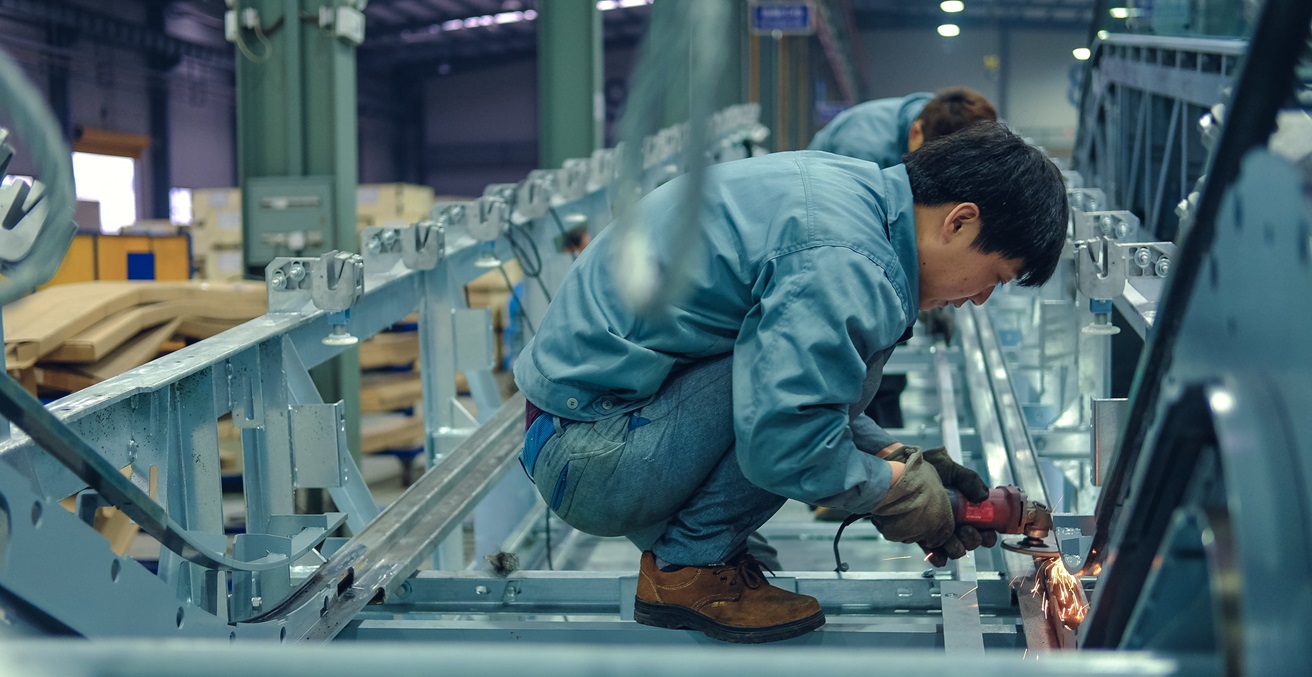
pixel 481 590
pixel 374 245
pixel 278 281
pixel 1142 257
pixel 389 237
pixel 257 602
pixel 296 272
pixel 1163 267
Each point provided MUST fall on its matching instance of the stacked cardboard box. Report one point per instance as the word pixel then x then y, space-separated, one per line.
pixel 216 221
pixel 392 204
pixel 216 233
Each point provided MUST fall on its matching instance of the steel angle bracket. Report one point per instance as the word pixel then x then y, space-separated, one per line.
pixel 26 412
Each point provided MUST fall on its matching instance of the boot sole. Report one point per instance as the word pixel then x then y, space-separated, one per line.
pixel 683 618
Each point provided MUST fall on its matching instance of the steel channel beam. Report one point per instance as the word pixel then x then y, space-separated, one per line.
pixel 377 561
pixel 151 658
pixel 886 632
pixel 594 592
pixel 28 414
pixel 996 457
pixel 1020 450
pixel 962 629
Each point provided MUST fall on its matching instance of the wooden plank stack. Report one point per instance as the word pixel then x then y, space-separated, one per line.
pixel 67 337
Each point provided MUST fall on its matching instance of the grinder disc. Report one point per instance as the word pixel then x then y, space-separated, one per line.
pixel 1031 546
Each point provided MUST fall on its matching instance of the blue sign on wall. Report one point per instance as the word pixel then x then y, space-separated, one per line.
pixel 792 18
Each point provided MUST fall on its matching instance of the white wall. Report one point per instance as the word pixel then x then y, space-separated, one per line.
pixel 1029 85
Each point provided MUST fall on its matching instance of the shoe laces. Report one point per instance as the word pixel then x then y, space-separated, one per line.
pixel 745 568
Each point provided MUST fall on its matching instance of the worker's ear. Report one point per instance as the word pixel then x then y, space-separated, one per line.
pixel 915 137
pixel 962 219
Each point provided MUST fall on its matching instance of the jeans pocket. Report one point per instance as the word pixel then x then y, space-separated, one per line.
pixel 558 493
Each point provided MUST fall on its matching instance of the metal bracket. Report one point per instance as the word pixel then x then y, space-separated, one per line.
pixel 534 195
pixel 1119 225
pixel 572 181
pixel 488 217
pixel 423 245
pixel 338 281
pixel 601 172
pixel 1100 268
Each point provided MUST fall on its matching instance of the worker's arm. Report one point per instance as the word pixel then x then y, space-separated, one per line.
pixel 799 367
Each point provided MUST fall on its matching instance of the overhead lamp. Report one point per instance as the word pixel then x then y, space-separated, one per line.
pixel 1102 35
pixel 1119 12
pixel 949 30
pixel 952 6
pixel 1080 53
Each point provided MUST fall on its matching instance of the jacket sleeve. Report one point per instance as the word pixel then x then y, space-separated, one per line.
pixel 800 363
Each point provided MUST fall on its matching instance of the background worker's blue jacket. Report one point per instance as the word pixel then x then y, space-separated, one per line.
pixel 875 130
pixel 807 272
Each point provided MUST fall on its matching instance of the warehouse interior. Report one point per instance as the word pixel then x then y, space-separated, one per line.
pixel 266 266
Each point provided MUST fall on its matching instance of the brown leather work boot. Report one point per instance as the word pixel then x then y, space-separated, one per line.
pixel 730 602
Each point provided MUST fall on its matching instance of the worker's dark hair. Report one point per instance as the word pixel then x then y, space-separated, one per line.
pixel 1020 193
pixel 953 109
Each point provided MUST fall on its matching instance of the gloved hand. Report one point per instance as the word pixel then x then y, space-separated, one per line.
pixel 916 509
pixel 953 476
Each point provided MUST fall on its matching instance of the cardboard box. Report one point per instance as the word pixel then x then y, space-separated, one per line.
pixel 221 263
pixel 392 204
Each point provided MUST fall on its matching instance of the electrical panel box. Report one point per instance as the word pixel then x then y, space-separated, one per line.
pixel 286 216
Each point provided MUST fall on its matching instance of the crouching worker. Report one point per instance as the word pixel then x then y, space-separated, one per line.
pixel 687 430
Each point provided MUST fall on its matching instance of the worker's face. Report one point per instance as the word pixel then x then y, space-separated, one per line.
pixel 952 272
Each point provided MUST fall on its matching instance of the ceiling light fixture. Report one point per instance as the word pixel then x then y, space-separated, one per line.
pixel 949 30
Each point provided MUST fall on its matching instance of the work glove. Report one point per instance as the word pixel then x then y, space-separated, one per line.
pixel 916 509
pixel 964 480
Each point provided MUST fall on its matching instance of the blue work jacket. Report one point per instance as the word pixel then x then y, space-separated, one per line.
pixel 806 271
pixel 875 130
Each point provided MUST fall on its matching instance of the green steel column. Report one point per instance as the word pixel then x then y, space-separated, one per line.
pixel 570 108
pixel 296 116
pixel 735 68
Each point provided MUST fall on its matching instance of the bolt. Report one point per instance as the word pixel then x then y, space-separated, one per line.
pixel 1122 229
pixel 1142 257
pixel 481 590
pixel 389 237
pixel 1107 224
pixel 1163 266
pixel 257 602
pixel 296 272
pixel 278 281
pixel 375 244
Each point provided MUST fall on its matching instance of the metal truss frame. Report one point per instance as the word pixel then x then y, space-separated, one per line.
pixel 1137 141
pixel 160 423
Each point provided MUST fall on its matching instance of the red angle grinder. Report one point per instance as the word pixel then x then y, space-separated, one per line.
pixel 1008 512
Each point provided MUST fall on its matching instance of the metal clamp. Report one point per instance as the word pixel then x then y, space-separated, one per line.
pixel 1101 268
pixel 1119 225
pixel 533 196
pixel 337 284
pixel 1086 199
pixel 423 245
pixel 488 218
pixel 572 180
pixel 601 171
